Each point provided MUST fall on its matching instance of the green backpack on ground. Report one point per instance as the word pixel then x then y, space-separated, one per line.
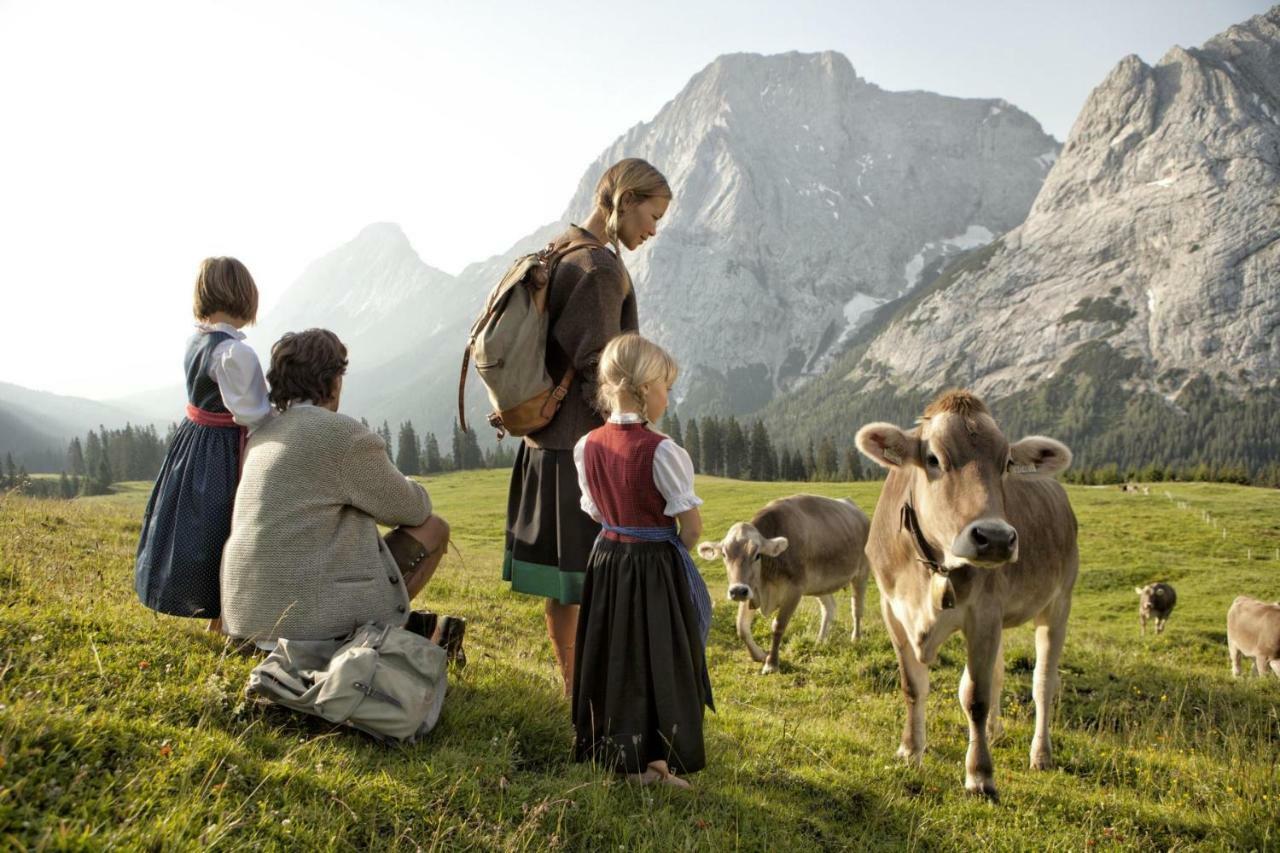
pixel 509 343
pixel 385 681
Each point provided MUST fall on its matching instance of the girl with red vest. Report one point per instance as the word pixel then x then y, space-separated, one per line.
pixel 188 516
pixel 640 679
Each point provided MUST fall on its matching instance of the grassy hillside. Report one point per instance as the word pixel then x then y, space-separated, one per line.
pixel 121 728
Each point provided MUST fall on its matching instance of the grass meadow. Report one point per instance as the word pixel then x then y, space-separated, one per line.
pixel 123 729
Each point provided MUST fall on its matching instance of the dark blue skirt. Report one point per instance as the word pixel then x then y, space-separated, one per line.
pixel 187 522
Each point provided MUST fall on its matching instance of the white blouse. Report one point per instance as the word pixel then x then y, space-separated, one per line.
pixel 234 366
pixel 672 473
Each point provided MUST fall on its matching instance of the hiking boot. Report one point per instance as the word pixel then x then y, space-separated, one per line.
pixel 448 635
pixel 422 623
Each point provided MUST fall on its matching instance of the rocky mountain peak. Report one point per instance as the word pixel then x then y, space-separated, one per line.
pixel 803 196
pixel 1155 240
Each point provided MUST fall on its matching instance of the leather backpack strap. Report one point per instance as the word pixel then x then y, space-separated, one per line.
pixel 557 395
pixel 462 387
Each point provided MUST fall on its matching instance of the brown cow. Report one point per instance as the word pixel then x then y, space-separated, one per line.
pixel 801 545
pixel 1253 630
pixel 970 535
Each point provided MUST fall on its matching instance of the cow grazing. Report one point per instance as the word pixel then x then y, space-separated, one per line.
pixel 1155 601
pixel 971 535
pixel 1253 629
pixel 801 545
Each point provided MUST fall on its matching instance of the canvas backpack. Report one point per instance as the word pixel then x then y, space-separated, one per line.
pixel 385 681
pixel 509 344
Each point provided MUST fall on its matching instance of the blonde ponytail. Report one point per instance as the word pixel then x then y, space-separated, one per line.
pixel 630 181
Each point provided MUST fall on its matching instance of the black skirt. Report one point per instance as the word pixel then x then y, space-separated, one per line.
pixel 548 535
pixel 638 687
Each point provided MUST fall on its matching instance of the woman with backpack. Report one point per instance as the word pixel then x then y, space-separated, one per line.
pixel 589 302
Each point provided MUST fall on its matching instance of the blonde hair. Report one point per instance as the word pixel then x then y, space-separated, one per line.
pixel 627 183
pixel 627 365
pixel 224 284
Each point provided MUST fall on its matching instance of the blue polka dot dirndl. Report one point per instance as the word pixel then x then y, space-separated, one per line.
pixel 188 518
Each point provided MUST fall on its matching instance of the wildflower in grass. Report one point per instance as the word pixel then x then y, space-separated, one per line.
pixel 142 664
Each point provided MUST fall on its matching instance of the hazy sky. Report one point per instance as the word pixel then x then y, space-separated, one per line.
pixel 137 138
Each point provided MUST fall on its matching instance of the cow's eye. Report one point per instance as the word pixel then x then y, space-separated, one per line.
pixel 932 461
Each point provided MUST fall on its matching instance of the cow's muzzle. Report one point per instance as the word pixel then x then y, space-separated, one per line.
pixel 739 592
pixel 987 541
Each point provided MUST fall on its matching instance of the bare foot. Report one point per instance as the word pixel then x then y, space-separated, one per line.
pixel 659 772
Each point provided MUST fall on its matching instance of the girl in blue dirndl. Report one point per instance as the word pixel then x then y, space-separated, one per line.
pixel 188 516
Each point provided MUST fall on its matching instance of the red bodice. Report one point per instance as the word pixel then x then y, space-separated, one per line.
pixel 619 468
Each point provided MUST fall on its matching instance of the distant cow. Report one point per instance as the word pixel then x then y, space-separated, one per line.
pixel 801 545
pixel 970 535
pixel 1155 601
pixel 1253 629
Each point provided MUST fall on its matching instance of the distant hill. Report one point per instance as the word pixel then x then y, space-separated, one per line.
pixel 36 426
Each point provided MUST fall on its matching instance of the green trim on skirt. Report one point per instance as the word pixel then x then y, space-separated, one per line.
pixel 547 581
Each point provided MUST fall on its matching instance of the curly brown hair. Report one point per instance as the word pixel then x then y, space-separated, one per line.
pixel 305 366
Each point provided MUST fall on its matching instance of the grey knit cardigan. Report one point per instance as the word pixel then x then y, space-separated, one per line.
pixel 305 560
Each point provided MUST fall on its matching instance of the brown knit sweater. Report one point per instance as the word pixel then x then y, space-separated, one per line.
pixel 589 302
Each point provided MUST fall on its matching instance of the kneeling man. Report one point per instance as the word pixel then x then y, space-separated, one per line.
pixel 305 560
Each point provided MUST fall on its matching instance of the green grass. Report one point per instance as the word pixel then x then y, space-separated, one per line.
pixel 121 728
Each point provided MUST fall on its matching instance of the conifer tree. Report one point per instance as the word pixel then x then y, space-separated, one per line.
pixel 712 447
pixel 472 457
pixel 828 462
pixel 671 426
pixel 407 450
pixel 75 458
pixel 736 460
pixel 431 461
pixel 385 433
pixel 760 453
pixel 458 453
pixel 10 472
pixel 64 486
pixel 850 469
pixel 693 444
pixel 810 463
pixel 92 454
pixel 102 479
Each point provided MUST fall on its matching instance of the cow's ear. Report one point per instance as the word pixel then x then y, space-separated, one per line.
pixel 888 446
pixel 1040 455
pixel 775 546
pixel 1138 590
pixel 709 550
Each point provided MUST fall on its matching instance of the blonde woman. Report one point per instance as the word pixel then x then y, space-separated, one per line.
pixel 589 302
pixel 640 682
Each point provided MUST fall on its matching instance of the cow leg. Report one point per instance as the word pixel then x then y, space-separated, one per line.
pixel 976 690
pixel 858 602
pixel 785 609
pixel 1051 635
pixel 1234 651
pixel 746 618
pixel 1159 626
pixel 1143 617
pixel 1260 663
pixel 995 724
pixel 1275 666
pixel 914 677
pixel 828 604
